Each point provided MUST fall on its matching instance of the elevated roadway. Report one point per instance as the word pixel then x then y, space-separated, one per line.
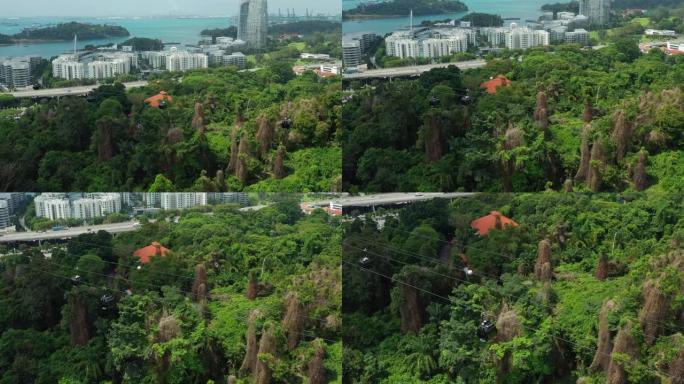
pixel 416 70
pixel 69 91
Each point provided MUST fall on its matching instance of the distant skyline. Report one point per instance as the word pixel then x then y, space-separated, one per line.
pixel 87 8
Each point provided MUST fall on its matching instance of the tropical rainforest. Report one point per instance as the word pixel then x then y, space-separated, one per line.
pixel 603 119
pixel 220 129
pixel 234 297
pixel 579 288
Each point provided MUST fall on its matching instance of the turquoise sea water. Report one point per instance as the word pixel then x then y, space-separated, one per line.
pixel 169 30
pixel 523 9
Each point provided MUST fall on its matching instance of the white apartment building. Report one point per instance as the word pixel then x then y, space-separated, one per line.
pixel 4 215
pixel 182 200
pixel 523 38
pixel 60 206
pixel 429 43
pixel 105 69
pixel 54 206
pixel 183 61
pixel 68 67
pixel 15 73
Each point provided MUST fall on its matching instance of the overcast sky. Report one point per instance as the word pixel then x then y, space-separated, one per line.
pixel 26 8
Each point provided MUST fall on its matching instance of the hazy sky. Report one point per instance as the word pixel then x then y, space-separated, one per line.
pixel 25 8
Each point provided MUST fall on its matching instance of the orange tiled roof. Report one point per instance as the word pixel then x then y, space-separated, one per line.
pixel 156 99
pixel 495 220
pixel 499 81
pixel 145 254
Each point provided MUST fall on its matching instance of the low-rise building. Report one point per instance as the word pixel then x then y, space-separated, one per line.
pixel 659 32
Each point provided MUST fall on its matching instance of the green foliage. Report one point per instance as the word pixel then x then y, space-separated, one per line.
pixel 385 141
pixel 403 7
pixel 156 331
pixel 114 141
pixel 66 31
pixel 554 335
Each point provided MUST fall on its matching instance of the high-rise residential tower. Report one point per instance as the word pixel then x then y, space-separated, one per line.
pixel 253 23
pixel 597 11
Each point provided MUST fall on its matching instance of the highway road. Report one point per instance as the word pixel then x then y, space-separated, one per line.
pixel 70 91
pixel 371 200
pixel 128 226
pixel 397 198
pixel 410 71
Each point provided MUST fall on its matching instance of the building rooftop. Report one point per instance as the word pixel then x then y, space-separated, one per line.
pixel 492 85
pixel 146 254
pixel 495 220
pixel 155 100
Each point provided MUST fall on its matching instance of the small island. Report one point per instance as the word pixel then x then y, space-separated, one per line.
pixel 397 8
pixel 66 32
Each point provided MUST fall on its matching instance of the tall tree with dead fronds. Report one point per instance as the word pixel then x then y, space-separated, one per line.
pixel 316 364
pixel 252 287
pixel 251 350
pixel 264 135
pixel 653 313
pixel 279 163
pixel 640 178
pixel 622 134
pixel 433 137
pixel 543 270
pixel 198 119
pixel 587 112
pixel 603 344
pixel 624 346
pixel 200 284
pixel 596 166
pixel 234 150
pixel 585 154
pixel 241 171
pixel 293 322
pixel 267 353
pixel 79 326
pixel 541 111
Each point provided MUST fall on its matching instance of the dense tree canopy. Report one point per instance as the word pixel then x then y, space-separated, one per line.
pixel 231 282
pixel 223 130
pixel 443 132
pixel 588 288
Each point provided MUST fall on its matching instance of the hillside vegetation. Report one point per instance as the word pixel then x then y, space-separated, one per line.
pixel 239 298
pixel 609 119
pixel 67 31
pixel 403 7
pixel 586 289
pixel 222 130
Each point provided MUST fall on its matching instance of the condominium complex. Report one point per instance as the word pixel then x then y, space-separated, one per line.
pixel 5 221
pixel 16 72
pixel 184 61
pixel 430 43
pixel 597 11
pixel 351 53
pixel 175 60
pixel 523 37
pixel 97 66
pixel 62 206
pixel 253 23
pixel 181 200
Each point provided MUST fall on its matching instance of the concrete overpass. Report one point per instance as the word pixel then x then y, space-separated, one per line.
pixel 128 226
pixel 417 70
pixel 370 201
pixel 69 91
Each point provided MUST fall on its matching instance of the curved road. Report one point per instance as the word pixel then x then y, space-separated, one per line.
pixel 70 91
pixel 415 70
